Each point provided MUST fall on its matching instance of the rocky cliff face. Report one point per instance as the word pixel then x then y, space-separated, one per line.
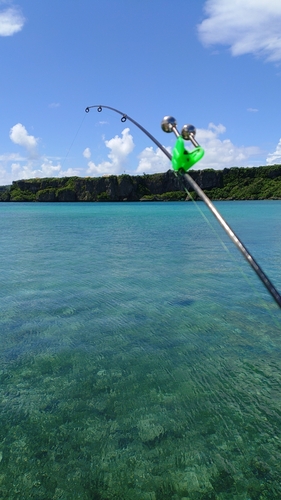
pixel 221 184
pixel 112 188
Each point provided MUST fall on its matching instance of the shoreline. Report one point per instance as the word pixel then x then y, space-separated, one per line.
pixel 251 183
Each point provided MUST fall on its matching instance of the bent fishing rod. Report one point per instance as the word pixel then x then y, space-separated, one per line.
pixel 182 160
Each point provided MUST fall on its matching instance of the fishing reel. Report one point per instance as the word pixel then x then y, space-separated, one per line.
pixel 182 159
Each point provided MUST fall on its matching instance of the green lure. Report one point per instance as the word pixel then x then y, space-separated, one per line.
pixel 183 159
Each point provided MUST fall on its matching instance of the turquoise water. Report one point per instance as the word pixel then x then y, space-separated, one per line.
pixel 140 355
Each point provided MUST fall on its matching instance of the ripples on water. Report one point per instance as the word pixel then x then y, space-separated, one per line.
pixel 137 361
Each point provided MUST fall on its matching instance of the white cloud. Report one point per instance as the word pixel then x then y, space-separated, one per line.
pixel 42 168
pixel 20 136
pixel 120 148
pixel 219 153
pixel 252 110
pixel 87 153
pixel 11 21
pixel 275 158
pixel 11 157
pixel 54 105
pixel 247 26
pixel 153 161
pixel 29 171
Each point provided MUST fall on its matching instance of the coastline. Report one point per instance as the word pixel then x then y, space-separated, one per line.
pixel 251 183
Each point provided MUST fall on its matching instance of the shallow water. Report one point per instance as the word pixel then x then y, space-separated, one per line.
pixel 140 356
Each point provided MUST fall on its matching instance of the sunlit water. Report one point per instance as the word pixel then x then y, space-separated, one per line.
pixel 140 355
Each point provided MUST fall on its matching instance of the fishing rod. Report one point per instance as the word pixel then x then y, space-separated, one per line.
pixel 182 160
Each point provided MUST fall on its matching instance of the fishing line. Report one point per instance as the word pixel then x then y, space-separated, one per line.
pixel 182 160
pixel 233 258
pixel 75 136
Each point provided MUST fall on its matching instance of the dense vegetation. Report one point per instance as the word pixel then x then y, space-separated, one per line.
pixel 255 183
pixel 249 184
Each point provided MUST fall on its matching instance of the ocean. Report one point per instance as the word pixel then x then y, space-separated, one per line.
pixel 139 353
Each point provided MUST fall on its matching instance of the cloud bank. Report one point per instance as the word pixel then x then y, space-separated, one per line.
pixel 42 168
pixel 247 26
pixel 219 153
pixel 11 21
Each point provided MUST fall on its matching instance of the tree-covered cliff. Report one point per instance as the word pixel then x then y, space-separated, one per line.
pixel 229 184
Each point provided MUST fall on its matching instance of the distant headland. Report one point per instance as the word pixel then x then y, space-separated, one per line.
pixel 253 183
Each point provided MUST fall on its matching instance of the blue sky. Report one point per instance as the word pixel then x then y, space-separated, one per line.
pixel 214 63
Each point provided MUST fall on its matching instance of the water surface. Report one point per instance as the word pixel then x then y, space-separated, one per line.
pixel 140 355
